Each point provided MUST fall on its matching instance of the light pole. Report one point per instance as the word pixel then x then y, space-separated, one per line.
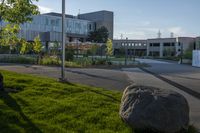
pixel 63 42
pixel 126 52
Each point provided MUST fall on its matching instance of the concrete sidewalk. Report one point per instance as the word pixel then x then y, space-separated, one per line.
pixel 142 78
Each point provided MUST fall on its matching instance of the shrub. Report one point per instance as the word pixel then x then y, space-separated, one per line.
pixel 69 54
pixel 21 59
pixel 50 60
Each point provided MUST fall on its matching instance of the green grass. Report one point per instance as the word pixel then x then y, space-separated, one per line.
pixel 35 104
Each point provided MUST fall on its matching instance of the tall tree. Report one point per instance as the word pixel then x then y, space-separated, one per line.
pixel 99 36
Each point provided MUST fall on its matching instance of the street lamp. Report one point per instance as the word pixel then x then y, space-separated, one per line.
pixel 63 42
pixel 126 52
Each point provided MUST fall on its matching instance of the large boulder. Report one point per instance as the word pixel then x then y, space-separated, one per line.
pixel 1 82
pixel 149 108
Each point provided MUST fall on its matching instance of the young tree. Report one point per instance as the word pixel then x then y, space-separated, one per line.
pixel 109 47
pixel 37 45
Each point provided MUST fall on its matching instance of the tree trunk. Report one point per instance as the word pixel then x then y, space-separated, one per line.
pixel 1 82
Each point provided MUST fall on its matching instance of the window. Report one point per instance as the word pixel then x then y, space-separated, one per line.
pixel 156 44
pixel 90 27
pixel 167 44
pixel 57 22
pixel 53 22
pixel 47 21
pixel 145 44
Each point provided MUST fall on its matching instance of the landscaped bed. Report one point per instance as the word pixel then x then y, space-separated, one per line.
pixel 36 104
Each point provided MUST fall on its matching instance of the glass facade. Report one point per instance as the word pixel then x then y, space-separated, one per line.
pixel 47 23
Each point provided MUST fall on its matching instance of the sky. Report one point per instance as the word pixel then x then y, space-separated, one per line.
pixel 139 19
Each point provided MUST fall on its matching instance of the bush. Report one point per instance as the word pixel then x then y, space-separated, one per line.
pixel 69 54
pixel 4 49
pixel 21 59
pixel 50 60
pixel 187 55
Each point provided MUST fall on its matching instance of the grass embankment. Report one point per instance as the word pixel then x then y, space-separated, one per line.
pixel 34 104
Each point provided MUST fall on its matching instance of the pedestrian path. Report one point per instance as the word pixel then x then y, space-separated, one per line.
pixel 150 61
pixel 142 78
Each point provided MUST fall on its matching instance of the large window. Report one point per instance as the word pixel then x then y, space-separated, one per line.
pixel 154 44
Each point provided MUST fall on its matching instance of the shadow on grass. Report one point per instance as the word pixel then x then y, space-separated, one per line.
pixel 94 91
pixel 11 103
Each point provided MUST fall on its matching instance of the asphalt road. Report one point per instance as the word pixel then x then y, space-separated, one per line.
pixel 142 78
pixel 184 75
pixel 103 78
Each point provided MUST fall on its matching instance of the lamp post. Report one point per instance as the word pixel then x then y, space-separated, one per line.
pixel 63 42
pixel 126 52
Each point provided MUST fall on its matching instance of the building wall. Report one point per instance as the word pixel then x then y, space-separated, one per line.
pixel 101 18
pixel 134 47
pixel 169 46
pixel 160 46
pixel 197 43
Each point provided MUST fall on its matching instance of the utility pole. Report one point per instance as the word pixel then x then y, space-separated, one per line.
pixel 63 42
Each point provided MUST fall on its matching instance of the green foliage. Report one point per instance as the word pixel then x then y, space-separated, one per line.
pixel 69 54
pixel 15 12
pixel 37 45
pixel 25 46
pixel 9 35
pixel 189 52
pixel 4 49
pixel 18 11
pixel 45 105
pixel 94 49
pixel 50 60
pixel 20 59
pixel 109 47
pixel 99 36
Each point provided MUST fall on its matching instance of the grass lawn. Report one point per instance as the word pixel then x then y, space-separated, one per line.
pixel 34 104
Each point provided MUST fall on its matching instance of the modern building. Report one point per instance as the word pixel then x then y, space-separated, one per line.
pixel 158 47
pixel 49 26
pixel 133 47
pixel 102 18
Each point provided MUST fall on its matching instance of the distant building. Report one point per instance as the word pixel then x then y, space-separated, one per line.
pixel 49 26
pixel 158 47
pixel 197 43
pixel 134 47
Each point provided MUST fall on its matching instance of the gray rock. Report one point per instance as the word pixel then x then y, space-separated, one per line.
pixel 155 109
pixel 1 81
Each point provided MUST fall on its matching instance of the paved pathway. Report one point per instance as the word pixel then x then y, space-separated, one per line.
pixel 108 79
pixel 142 78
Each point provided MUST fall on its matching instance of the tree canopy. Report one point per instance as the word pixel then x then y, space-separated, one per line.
pixel 99 36
pixel 14 13
pixel 17 11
